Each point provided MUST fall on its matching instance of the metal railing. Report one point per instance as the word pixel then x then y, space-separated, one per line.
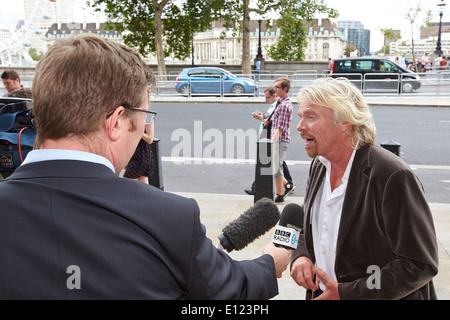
pixel 432 83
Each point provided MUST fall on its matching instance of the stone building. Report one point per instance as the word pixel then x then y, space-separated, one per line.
pixel 324 38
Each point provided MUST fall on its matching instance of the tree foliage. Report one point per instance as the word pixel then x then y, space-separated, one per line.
pixel 164 27
pixel 412 16
pixel 293 35
pixel 288 17
pixel 292 40
pixel 391 35
pixel 34 54
pixel 349 49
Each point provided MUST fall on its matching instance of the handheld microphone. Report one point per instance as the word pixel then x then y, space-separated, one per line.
pixel 287 232
pixel 253 223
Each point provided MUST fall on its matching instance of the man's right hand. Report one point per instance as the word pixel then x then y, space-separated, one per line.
pixel 303 272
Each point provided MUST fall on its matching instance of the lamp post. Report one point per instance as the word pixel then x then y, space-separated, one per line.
pixel 259 54
pixel 441 13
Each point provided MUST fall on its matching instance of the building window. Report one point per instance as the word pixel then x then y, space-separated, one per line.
pixel 325 50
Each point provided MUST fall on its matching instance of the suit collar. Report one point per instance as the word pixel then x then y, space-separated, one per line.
pixel 61 169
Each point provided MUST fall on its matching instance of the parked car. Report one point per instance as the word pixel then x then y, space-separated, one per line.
pixel 375 73
pixel 211 80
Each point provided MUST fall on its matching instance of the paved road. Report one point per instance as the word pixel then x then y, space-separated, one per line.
pixel 215 143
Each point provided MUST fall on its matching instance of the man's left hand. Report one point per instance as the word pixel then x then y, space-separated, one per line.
pixel 331 292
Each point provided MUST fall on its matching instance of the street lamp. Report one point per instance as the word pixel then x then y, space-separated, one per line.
pixel 441 13
pixel 259 54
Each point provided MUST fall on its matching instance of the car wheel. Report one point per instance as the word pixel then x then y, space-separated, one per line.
pixel 185 90
pixel 237 89
pixel 407 87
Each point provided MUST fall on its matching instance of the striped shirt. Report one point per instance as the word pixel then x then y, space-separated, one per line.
pixel 282 119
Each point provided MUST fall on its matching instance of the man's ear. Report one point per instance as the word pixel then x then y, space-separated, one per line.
pixel 345 127
pixel 115 123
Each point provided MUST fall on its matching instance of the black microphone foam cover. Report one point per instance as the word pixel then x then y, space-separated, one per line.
pixel 254 222
pixel 292 216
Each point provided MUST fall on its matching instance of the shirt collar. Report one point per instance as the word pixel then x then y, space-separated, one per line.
pixel 279 100
pixel 327 165
pixel 63 154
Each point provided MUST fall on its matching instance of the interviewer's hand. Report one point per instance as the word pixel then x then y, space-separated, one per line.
pixel 302 272
pixel 280 257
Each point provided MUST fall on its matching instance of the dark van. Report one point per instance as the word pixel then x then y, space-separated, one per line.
pixel 373 73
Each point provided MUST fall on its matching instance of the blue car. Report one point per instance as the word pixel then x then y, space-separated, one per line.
pixel 211 80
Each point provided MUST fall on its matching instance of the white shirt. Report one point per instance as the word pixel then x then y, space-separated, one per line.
pixel 325 219
pixel 62 154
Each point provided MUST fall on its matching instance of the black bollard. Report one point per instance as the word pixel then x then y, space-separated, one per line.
pixel 392 146
pixel 156 179
pixel 264 172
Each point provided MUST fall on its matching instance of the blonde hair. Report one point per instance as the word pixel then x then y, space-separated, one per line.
pixel 80 80
pixel 348 106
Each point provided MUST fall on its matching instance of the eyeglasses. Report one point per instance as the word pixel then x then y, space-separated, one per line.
pixel 277 87
pixel 148 118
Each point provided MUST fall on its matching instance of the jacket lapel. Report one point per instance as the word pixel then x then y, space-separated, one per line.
pixel 356 188
pixel 316 177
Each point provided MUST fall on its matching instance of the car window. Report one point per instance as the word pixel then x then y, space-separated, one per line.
pixel 387 66
pixel 197 73
pixel 215 74
pixel 227 73
pixel 343 65
pixel 365 65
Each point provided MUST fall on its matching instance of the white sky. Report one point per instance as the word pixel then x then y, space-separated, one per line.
pixel 373 14
pixel 376 14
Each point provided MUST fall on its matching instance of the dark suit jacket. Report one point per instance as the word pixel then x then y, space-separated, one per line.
pixel 386 222
pixel 128 239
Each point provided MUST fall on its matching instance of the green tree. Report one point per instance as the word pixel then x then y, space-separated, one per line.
pixel 391 35
pixel 236 17
pixel 34 54
pixel 412 15
pixel 293 35
pixel 164 27
pixel 349 49
pixel 292 41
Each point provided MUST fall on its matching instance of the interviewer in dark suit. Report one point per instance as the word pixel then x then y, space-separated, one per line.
pixel 71 229
pixel 369 233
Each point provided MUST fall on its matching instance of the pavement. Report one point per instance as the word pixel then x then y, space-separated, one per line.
pixel 217 210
